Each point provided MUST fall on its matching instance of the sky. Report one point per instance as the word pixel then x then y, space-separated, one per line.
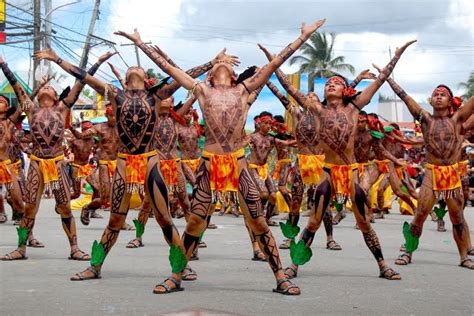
pixel 192 32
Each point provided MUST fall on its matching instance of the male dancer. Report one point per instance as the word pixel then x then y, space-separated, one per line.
pixel 338 119
pixel 223 166
pixel 135 109
pixel 443 138
pixel 47 166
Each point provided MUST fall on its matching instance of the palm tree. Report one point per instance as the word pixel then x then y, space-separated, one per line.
pixel 469 86
pixel 317 58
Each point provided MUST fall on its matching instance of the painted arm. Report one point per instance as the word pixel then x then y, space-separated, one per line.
pixel 86 134
pixel 286 142
pixel 299 97
pixel 469 123
pixel 176 73
pixel 76 90
pixel 254 95
pixel 464 111
pixel 22 96
pixel 365 74
pixel 78 73
pixel 415 109
pixel 364 97
pixel 264 73
pixel 117 75
pixel 186 106
pixel 381 150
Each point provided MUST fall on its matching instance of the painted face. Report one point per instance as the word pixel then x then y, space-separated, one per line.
pixel 362 122
pixel 167 103
pixel 440 98
pixel 189 115
pixel 135 71
pixel 47 92
pixel 221 70
pixel 334 87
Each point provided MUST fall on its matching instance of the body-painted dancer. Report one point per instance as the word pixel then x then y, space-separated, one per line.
pixel 47 122
pixel 442 180
pixel 223 166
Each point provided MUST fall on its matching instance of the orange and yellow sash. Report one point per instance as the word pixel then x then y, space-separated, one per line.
pixel 446 179
pixel 135 170
pixel 262 170
pixel 169 170
pixel 341 178
pixel 399 172
pixel 463 166
pixel 193 164
pixel 361 167
pixel 83 170
pixel 224 170
pixel 311 168
pixel 48 168
pixel 111 165
pixel 5 175
pixel 278 166
pixel 382 165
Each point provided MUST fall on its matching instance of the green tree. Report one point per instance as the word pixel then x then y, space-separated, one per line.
pixel 317 58
pixel 468 86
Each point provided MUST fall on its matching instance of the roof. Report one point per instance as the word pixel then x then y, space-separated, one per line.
pixel 6 88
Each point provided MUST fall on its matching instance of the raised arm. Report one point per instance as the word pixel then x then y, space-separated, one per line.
pixel 23 98
pixel 280 96
pixel 176 73
pixel 415 109
pixel 264 73
pixel 76 90
pixel 464 111
pixel 78 73
pixel 254 95
pixel 365 74
pixel 85 134
pixel 299 97
pixel 381 150
pixel 195 72
pixel 364 98
pixel 186 106
pixel 118 75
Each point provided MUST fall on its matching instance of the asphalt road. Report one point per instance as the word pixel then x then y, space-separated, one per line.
pixel 333 282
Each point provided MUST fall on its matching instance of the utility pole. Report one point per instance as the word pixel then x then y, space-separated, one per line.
pixel 394 94
pixel 87 44
pixel 36 35
pixel 48 7
pixel 136 52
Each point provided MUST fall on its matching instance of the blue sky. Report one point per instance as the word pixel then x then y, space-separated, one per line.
pixel 193 31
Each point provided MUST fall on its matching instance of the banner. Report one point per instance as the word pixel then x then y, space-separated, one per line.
pixel 3 36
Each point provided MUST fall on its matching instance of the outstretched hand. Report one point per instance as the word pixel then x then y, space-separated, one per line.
pixel 366 74
pixel 377 67
pixel 47 54
pixel 267 53
pixel 134 37
pixel 45 79
pixel 400 50
pixel 222 57
pixel 1 59
pixel 106 56
pixel 307 30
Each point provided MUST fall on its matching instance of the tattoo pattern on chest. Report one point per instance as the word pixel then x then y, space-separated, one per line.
pixel 441 138
pixel 47 127
pixel 307 129
pixel 165 134
pixel 336 129
pixel 223 116
pixel 261 146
